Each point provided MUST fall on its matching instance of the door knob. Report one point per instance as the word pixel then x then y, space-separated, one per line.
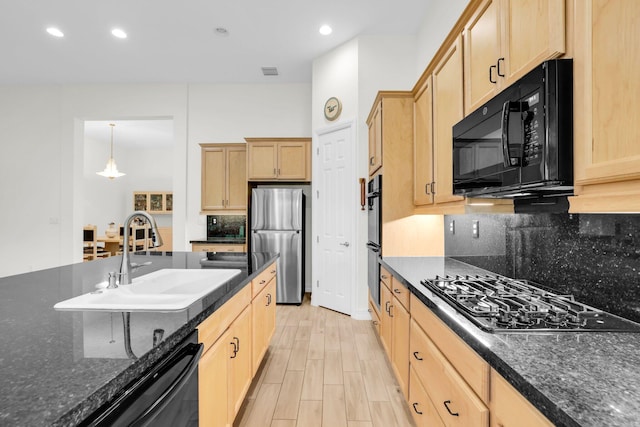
pixel 345 244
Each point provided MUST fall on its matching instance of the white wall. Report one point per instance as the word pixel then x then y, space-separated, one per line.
pixel 42 153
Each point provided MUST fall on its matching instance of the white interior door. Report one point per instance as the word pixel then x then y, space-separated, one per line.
pixel 335 198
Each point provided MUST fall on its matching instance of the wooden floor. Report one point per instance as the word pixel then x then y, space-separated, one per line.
pixel 323 369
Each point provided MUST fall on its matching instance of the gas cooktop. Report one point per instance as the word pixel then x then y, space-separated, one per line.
pixel 501 304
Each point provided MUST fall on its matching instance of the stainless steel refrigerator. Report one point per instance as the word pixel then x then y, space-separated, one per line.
pixel 277 225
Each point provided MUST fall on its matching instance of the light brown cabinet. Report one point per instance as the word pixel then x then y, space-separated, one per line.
pixel 510 409
pixel 423 145
pixel 421 407
pixel 224 183
pixel 394 328
pixel 227 365
pixel 448 110
pixel 375 139
pixel 264 314
pixel 279 159
pixel 606 130
pixel 503 40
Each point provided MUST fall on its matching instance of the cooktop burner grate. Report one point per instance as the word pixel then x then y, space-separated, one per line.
pixel 501 304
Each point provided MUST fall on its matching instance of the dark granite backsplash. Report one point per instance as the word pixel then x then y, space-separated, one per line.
pixel 595 257
pixel 226 226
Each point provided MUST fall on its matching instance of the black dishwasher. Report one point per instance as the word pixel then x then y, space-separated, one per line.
pixel 167 395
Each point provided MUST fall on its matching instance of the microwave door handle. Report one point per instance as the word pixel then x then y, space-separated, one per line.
pixel 507 107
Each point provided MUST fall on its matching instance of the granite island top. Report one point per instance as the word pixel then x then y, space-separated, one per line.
pixel 57 367
pixel 573 378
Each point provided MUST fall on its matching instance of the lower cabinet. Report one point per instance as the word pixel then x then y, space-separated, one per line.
pixel 217 247
pixel 263 307
pixel 226 368
pixel 422 409
pixel 394 328
pixel 445 381
pixel 510 409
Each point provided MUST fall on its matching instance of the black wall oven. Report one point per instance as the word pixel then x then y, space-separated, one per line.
pixel 374 203
pixel 520 143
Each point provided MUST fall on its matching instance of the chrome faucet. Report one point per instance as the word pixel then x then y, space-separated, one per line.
pixel 127 267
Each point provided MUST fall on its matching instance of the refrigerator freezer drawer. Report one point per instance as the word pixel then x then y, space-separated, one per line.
pixel 289 287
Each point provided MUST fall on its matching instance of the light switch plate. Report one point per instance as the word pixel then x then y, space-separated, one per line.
pixel 475 229
pixel 452 227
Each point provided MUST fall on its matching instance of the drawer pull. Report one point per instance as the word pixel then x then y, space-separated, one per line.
pixel 262 282
pixel 369 310
pixel 397 291
pixel 375 322
pixel 446 405
pixel 383 276
pixel 415 354
pixel 416 409
pixel 272 272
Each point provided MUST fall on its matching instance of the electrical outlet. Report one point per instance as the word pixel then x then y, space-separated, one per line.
pixel 475 229
pixel 452 227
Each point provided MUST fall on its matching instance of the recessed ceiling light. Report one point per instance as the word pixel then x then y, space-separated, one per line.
pixel 117 32
pixel 221 31
pixel 325 30
pixel 55 32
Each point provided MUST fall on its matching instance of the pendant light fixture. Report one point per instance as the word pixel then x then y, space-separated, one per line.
pixel 111 170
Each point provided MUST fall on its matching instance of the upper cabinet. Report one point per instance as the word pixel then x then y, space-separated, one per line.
pixel 154 202
pixel 375 139
pixel 503 40
pixel 423 145
pixel 606 130
pixel 279 159
pixel 391 133
pixel 224 182
pixel 448 109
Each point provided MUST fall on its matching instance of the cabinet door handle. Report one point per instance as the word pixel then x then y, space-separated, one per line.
pixel 262 282
pixel 235 350
pixel 222 202
pixel 238 343
pixel 371 161
pixel 274 171
pixel 415 404
pixel 500 60
pixel 386 306
pixel 491 79
pixel 415 354
pixel 390 307
pixel 375 322
pixel 446 405
pixel 433 188
pixel 369 310
pixel 426 188
pixel 268 300
pixel 383 276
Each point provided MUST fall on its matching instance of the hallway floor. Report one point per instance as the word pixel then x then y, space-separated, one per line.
pixel 323 369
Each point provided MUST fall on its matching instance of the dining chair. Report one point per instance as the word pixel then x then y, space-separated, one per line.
pixel 90 248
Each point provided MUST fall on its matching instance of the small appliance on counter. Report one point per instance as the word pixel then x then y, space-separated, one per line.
pixel 226 227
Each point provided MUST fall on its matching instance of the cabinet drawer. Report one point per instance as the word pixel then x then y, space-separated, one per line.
pixel 262 280
pixel 385 277
pixel 510 409
pixel 401 293
pixel 454 400
pixel 213 326
pixel 471 367
pixel 421 407
pixel 204 247
pixel 375 316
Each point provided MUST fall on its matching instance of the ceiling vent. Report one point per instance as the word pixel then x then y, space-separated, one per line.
pixel 269 71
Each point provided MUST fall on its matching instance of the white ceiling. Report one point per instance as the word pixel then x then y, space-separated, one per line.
pixel 174 41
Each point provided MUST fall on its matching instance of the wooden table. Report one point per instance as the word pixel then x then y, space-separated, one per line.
pixel 111 244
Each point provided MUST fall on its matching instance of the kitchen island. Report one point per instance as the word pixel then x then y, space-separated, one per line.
pixel 57 367
pixel 573 378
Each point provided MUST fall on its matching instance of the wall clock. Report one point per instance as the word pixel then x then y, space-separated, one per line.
pixel 332 108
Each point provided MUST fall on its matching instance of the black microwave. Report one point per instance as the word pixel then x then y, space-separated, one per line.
pixel 520 143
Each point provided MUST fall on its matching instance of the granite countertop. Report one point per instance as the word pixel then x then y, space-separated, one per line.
pixel 222 240
pixel 573 378
pixel 57 367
